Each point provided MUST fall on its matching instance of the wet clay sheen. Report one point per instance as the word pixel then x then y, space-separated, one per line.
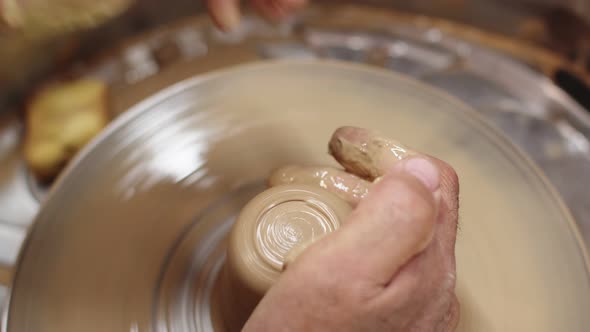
pixel 270 231
pixel 365 160
pixel 345 185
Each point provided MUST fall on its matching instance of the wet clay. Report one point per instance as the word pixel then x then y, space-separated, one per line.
pixel 347 186
pixel 365 160
pixel 364 156
pixel 271 231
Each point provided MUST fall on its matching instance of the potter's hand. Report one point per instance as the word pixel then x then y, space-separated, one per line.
pixel 391 266
pixel 226 13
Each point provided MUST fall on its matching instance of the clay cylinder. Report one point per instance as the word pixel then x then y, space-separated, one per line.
pixel 272 228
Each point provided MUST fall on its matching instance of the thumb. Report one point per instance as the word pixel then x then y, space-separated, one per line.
pixel 225 13
pixel 395 222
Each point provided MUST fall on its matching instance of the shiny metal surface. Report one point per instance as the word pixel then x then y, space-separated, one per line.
pixel 133 230
pixel 17 205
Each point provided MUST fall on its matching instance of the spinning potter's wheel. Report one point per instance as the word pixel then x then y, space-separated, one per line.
pixel 133 236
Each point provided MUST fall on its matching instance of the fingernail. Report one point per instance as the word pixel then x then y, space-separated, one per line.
pixel 423 170
pixel 229 17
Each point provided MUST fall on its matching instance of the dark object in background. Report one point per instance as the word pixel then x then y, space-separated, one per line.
pixel 574 86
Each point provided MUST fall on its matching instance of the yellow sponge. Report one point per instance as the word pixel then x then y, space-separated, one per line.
pixel 60 120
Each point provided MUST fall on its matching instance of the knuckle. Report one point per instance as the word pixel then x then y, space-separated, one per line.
pixel 448 284
pixel 454 315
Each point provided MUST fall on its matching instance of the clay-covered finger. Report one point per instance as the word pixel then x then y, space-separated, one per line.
pixel 347 186
pixel 366 153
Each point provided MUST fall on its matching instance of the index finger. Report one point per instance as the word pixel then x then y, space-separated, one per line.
pixel 225 13
pixel 366 153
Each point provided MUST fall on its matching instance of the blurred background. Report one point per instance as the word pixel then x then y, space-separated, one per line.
pixel 523 64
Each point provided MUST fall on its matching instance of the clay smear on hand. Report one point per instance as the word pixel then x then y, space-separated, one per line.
pixel 365 153
pixel 347 186
pixel 365 156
